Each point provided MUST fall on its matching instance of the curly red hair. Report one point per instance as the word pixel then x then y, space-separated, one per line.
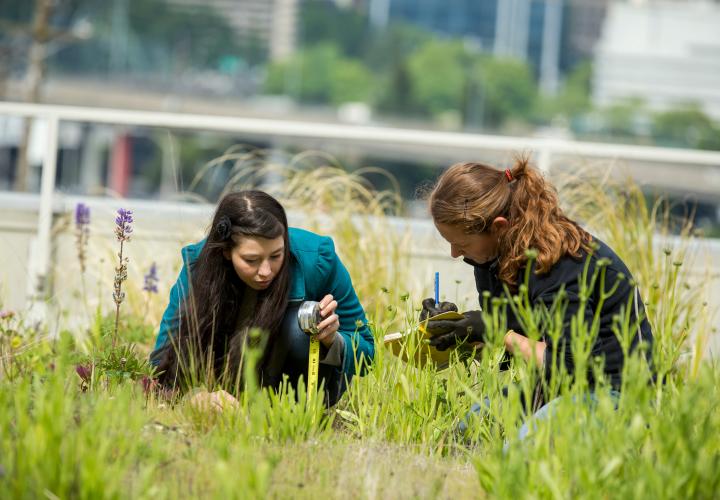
pixel 471 195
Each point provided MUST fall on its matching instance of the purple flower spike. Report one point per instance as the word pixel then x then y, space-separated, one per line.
pixel 82 215
pixel 151 279
pixel 123 221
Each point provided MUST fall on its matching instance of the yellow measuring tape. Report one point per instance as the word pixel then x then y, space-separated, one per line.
pixel 308 319
pixel 313 367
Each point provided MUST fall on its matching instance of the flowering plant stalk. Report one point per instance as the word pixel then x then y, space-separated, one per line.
pixel 82 235
pixel 150 285
pixel 123 230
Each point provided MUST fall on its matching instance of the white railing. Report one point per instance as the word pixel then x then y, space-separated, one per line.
pixel 545 150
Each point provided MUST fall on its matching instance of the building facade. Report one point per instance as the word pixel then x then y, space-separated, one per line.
pixel 665 53
pixel 273 23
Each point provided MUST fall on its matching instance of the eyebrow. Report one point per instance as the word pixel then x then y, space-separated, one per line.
pixel 256 255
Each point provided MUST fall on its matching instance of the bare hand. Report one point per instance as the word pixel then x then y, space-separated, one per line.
pixel 217 401
pixel 328 327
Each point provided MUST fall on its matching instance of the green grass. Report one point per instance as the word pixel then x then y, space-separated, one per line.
pixel 394 433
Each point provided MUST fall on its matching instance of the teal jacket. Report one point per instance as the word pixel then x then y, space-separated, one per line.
pixel 315 271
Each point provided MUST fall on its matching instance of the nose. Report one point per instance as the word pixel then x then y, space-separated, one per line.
pixel 455 251
pixel 264 271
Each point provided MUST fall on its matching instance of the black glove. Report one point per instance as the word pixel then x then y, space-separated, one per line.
pixel 429 310
pixel 450 332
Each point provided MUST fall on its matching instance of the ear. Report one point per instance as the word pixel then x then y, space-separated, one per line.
pixel 499 224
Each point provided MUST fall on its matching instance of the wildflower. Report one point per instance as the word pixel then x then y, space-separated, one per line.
pixel 82 232
pixel 82 215
pixel 84 372
pixel 123 230
pixel 6 314
pixel 151 279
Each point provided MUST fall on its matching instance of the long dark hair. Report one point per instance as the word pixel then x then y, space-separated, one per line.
pixel 211 336
pixel 471 195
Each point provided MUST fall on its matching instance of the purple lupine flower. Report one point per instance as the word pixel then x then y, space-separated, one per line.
pixel 82 215
pixel 123 228
pixel 82 221
pixel 151 280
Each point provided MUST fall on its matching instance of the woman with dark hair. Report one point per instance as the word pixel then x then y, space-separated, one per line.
pixel 492 219
pixel 251 273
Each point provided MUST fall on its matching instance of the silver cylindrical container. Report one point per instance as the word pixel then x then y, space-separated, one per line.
pixel 309 317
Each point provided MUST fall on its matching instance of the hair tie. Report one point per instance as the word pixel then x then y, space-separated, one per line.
pixel 508 175
pixel 224 227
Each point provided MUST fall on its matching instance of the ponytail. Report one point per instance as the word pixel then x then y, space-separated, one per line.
pixel 536 222
pixel 472 195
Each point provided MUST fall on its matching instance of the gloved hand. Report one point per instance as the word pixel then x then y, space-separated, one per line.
pixel 450 332
pixel 429 310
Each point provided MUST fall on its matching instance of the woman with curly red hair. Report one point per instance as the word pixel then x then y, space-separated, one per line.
pixel 503 221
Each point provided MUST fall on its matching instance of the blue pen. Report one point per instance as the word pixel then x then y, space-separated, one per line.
pixel 437 289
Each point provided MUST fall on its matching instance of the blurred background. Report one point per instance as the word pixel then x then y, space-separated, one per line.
pixel 635 72
pixel 133 98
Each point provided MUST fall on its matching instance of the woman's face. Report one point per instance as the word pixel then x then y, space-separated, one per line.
pixel 257 261
pixel 478 247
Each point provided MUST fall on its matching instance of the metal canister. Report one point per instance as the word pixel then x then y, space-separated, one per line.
pixel 309 317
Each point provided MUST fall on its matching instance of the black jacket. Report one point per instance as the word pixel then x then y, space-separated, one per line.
pixel 566 275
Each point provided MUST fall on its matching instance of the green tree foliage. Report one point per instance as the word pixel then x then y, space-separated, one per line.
pixel 159 35
pixel 573 98
pixel 387 56
pixel 194 36
pixel 322 21
pixel 686 127
pixel 350 81
pixel 623 117
pixel 509 90
pixel 447 77
pixel 320 75
pixel 438 75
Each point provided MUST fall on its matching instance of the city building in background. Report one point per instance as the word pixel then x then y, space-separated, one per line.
pixel 665 53
pixel 272 23
pixel 551 35
pixel 582 26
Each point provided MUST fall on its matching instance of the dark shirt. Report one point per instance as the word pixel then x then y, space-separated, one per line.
pixel 567 275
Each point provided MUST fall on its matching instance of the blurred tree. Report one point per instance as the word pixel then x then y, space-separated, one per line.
pixel 323 21
pixel 38 34
pixel 438 76
pixel 196 37
pixel 509 90
pixel 624 118
pixel 320 75
pixel 487 91
pixel 350 81
pixel 573 98
pixel 387 56
pixel 156 35
pixel 686 127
